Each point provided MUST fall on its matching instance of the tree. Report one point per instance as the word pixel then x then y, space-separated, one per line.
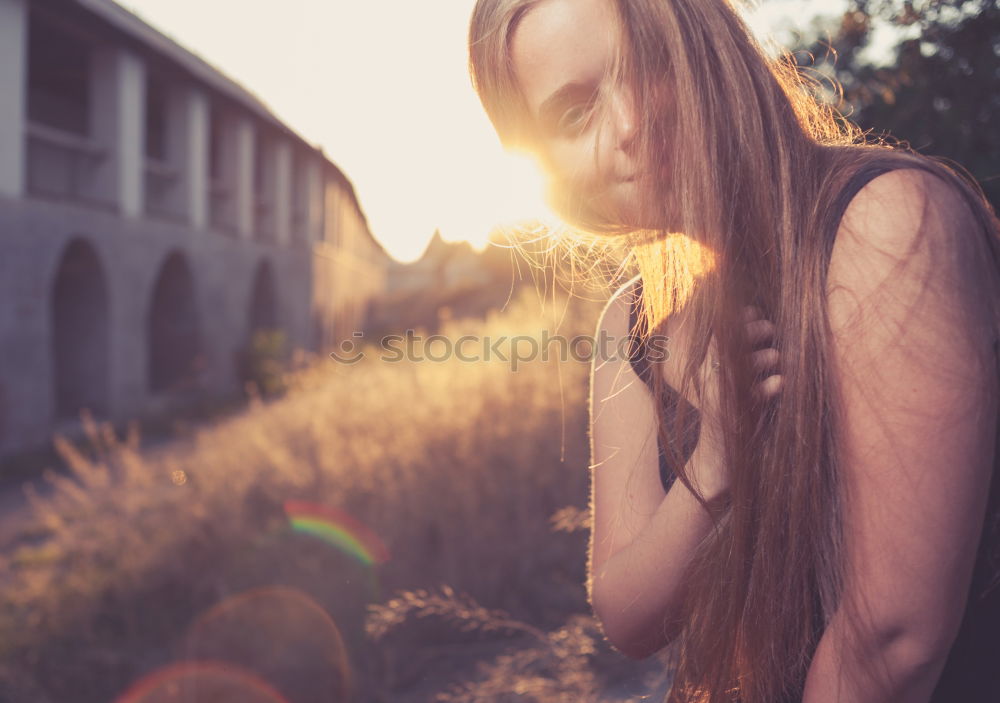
pixel 940 91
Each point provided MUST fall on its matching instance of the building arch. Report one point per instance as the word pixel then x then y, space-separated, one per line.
pixel 260 358
pixel 174 339
pixel 81 330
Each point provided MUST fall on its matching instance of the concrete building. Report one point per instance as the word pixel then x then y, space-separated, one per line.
pixel 153 214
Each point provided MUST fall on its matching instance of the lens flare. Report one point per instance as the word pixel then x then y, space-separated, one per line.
pixel 338 529
pixel 201 682
pixel 283 636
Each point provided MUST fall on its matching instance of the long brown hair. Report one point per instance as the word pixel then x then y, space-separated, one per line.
pixel 753 193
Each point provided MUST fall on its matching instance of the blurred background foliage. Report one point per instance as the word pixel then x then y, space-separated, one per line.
pixel 938 88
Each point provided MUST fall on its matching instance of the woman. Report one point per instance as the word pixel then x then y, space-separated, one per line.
pixel 831 534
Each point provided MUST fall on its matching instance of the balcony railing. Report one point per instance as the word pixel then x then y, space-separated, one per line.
pixel 161 181
pixel 63 164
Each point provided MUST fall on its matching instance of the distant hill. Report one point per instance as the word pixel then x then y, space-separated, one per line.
pixel 450 280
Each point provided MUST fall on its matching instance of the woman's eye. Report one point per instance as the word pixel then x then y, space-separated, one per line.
pixel 574 118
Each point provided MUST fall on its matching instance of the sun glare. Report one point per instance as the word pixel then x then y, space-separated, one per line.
pixel 390 102
pixel 506 192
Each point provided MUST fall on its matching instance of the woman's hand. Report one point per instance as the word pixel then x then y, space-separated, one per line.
pixel 765 362
pixel 707 462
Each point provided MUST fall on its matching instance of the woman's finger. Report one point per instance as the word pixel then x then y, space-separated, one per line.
pixel 765 359
pixel 769 387
pixel 760 331
pixel 751 313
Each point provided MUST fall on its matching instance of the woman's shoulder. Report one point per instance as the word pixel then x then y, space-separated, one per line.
pixel 618 330
pixel 897 203
pixel 914 233
pixel 618 316
pixel 928 228
pixel 892 213
pixel 628 291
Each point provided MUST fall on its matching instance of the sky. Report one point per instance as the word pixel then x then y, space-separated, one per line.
pixel 383 87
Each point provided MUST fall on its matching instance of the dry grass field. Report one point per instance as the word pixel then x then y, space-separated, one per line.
pixel 384 531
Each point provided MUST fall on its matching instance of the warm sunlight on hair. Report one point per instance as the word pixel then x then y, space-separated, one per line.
pixel 682 261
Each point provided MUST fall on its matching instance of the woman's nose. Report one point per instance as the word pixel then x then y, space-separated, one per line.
pixel 625 122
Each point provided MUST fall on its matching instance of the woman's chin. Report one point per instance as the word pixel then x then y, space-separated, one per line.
pixel 635 213
pixel 622 206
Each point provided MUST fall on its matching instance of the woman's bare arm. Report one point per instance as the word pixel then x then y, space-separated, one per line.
pixel 641 541
pixel 918 386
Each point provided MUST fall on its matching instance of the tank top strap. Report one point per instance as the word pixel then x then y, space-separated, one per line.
pixel 636 344
pixel 862 177
pixel 637 356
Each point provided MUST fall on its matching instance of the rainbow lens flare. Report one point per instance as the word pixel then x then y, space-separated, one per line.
pixel 338 529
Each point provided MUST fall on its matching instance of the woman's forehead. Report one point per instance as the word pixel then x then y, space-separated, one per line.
pixel 561 41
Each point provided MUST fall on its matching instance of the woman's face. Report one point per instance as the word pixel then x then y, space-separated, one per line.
pixel 562 51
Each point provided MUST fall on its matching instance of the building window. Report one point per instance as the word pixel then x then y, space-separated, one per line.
pixel 63 161
pixel 264 158
pixel 216 130
pixel 162 177
pixel 156 119
pixel 58 77
pixel 221 179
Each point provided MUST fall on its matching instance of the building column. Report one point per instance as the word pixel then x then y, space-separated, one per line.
pixel 118 122
pixel 335 203
pixel 243 176
pixel 314 188
pixel 282 195
pixel 13 95
pixel 187 145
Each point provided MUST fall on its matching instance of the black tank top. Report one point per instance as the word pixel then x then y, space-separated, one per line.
pixel 972 671
pixel 637 356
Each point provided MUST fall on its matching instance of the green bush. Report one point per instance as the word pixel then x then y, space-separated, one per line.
pixel 266 362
